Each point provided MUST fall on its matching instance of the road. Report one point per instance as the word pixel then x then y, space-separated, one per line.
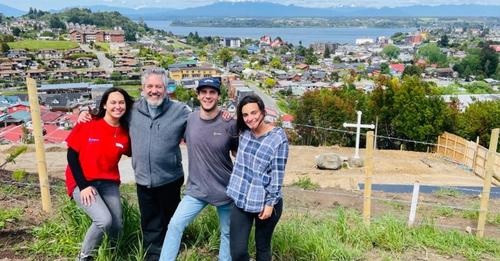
pixel 268 100
pixel 104 63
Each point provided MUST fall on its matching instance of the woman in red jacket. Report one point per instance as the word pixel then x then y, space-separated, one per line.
pixel 92 176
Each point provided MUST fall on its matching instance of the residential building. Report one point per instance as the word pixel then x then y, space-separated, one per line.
pixel 179 72
pixel 97 35
pixel 231 42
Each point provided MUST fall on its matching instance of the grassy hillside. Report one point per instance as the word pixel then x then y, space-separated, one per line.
pixel 304 233
pixel 35 45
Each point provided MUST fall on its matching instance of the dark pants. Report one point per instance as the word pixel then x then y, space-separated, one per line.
pixel 241 225
pixel 157 205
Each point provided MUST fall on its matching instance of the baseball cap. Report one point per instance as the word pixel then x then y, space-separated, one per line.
pixel 213 83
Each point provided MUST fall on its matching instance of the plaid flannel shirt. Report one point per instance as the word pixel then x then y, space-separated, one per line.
pixel 259 170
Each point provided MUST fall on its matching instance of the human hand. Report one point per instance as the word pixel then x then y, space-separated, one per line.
pixel 84 116
pixel 87 195
pixel 227 116
pixel 266 212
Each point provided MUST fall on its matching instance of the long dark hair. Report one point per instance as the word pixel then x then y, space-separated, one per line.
pixel 129 102
pixel 252 98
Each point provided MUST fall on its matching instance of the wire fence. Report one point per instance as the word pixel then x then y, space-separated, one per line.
pixel 359 195
pixel 292 190
pixel 364 134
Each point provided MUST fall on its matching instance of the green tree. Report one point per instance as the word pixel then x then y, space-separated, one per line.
pixel 444 41
pixel 4 47
pixel 269 83
pixel 55 22
pixel 326 108
pixel 7 38
pixel 478 120
pixel 478 87
pixel 479 62
pixel 310 57
pixel 412 70
pixel 327 52
pixel 432 54
pixel 275 63
pixel 301 50
pixel 166 60
pixel 115 76
pixel 224 55
pixel 398 37
pixel 384 68
pixel 421 116
pixel 391 51
pixel 15 31
pixel 184 95
pixel 202 54
pixel 488 61
pixel 381 104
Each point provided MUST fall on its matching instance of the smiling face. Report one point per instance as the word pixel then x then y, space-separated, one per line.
pixel 208 98
pixel 252 115
pixel 154 90
pixel 115 106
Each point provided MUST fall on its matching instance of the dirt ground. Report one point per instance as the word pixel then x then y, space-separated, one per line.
pixel 390 167
pixel 338 188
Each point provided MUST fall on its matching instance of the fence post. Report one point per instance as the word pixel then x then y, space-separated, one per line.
pixel 438 147
pixel 454 148
pixel 474 157
pixel 368 178
pixel 414 201
pixel 446 145
pixel 39 147
pixel 485 195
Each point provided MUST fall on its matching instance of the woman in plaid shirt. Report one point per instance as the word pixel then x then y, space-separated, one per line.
pixel 256 180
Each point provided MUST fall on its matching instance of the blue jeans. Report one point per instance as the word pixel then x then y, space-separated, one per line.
pixel 106 215
pixel 185 213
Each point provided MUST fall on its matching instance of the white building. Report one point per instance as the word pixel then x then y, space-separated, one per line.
pixel 231 42
pixel 361 41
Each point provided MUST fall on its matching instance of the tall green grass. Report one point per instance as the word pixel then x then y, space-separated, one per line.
pixel 341 235
pixel 9 215
pixel 306 183
pixel 62 236
pixel 334 235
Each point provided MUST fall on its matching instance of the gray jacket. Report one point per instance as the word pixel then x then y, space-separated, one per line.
pixel 156 156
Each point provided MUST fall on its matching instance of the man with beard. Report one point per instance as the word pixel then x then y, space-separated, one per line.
pixel 210 139
pixel 156 127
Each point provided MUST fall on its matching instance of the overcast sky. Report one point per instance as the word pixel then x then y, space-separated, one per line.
pixel 59 4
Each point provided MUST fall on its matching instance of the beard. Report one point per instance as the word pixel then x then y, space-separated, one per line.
pixel 155 103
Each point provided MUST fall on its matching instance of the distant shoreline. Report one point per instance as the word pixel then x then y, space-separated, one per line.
pixel 329 22
pixel 296 35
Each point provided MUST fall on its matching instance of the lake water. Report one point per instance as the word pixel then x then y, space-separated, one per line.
pixel 307 35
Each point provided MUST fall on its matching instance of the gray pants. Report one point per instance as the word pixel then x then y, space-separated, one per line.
pixel 106 215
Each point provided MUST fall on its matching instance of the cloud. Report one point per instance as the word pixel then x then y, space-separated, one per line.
pixel 58 4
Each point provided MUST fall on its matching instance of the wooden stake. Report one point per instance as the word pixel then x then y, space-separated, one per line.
pixel 485 195
pixel 474 157
pixel 438 149
pixel 40 150
pixel 414 201
pixel 368 178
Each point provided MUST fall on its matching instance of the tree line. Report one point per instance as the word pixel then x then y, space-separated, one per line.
pixel 404 109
